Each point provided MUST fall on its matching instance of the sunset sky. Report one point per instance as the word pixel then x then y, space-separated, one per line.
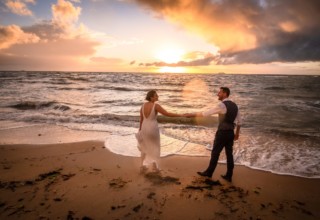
pixel 193 36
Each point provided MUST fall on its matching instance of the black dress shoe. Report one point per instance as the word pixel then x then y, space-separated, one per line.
pixel 205 174
pixel 228 178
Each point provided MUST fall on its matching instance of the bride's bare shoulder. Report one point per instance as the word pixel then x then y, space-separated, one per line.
pixel 157 105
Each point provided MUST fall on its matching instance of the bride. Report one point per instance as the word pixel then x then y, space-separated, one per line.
pixel 149 136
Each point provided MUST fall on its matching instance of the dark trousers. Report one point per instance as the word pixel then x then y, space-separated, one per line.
pixel 223 138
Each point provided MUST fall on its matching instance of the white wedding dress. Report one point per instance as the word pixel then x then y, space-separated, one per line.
pixel 149 139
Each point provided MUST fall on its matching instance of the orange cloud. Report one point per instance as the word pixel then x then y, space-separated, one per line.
pixel 65 13
pixel 79 47
pixel 19 7
pixel 13 34
pixel 196 58
pixel 288 26
pixel 56 32
pixel 196 55
pixel 249 31
pixel 225 27
pixel 62 54
pixel 56 44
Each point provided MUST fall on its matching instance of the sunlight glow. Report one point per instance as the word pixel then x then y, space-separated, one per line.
pixel 168 69
pixel 169 54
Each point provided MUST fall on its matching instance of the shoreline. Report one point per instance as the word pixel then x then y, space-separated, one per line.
pixel 43 134
pixel 84 179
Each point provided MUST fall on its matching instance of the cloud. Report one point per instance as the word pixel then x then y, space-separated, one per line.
pixel 65 13
pixel 63 24
pixel 37 62
pixel 72 48
pixel 195 58
pixel 62 54
pixel 13 34
pixel 249 31
pixel 297 48
pixel 61 28
pixel 19 7
pixel 58 43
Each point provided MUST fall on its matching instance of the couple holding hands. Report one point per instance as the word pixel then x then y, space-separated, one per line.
pixel 229 120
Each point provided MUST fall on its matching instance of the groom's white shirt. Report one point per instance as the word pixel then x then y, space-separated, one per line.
pixel 222 109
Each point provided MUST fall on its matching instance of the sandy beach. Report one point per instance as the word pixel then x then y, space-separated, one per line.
pixel 64 174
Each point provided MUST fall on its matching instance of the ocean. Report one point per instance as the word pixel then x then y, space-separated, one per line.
pixel 281 113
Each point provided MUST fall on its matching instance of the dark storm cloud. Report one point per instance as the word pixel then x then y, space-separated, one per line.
pixel 249 31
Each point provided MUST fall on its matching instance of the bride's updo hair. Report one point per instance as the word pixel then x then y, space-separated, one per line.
pixel 150 94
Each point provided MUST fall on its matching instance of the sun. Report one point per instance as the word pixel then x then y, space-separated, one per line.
pixel 169 54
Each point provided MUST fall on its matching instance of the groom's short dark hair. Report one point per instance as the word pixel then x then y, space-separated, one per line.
pixel 226 90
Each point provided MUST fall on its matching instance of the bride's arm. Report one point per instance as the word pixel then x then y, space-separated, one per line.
pixel 191 115
pixel 141 118
pixel 165 113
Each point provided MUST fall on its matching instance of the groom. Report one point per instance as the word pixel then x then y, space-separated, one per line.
pixel 229 118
